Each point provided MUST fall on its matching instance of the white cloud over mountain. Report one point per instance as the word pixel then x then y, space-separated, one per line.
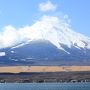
pixel 47 6
pixel 51 28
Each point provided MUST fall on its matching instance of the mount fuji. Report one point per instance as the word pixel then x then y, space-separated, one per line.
pixel 49 41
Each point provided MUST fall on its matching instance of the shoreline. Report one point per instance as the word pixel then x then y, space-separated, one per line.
pixel 45 77
pixel 44 74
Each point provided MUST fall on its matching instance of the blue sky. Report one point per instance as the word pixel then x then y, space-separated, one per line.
pixel 19 13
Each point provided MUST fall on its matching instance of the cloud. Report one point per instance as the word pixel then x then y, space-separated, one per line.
pixel 41 29
pixel 66 17
pixel 8 37
pixel 47 6
pixel 54 29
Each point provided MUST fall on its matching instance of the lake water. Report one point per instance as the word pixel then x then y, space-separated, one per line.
pixel 45 86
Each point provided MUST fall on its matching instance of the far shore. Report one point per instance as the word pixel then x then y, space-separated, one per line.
pixel 18 69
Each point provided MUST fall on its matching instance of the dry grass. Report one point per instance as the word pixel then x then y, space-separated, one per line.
pixel 17 69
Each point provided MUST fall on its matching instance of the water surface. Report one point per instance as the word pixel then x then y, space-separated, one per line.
pixel 45 86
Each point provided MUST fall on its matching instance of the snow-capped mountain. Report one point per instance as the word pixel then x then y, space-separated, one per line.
pixel 50 41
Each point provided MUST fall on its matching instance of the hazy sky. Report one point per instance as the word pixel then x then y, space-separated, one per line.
pixel 19 13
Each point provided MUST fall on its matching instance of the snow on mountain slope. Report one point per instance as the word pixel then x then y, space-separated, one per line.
pixel 55 30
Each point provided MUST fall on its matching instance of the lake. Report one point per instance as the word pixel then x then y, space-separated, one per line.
pixel 45 86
